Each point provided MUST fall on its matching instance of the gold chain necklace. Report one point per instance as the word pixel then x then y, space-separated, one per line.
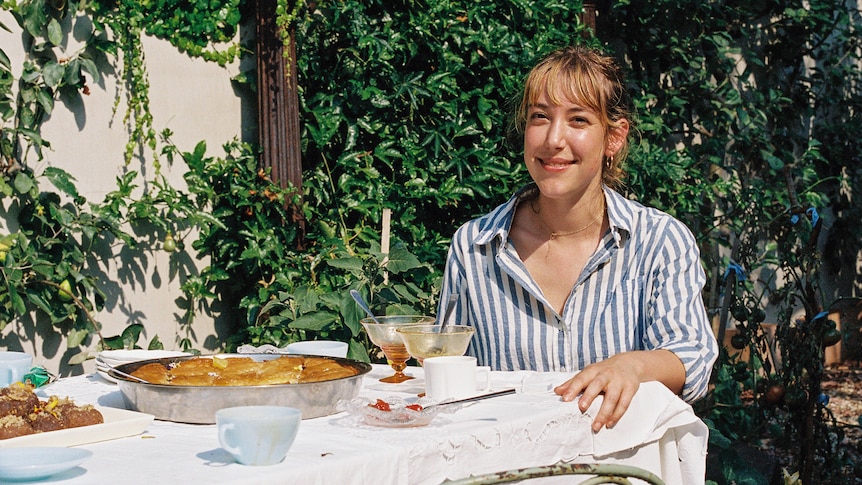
pixel 601 215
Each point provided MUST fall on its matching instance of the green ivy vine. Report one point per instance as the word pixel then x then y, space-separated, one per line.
pixel 285 18
pixel 46 272
pixel 194 27
pixel 205 30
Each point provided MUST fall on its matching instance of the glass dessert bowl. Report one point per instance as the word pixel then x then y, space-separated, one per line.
pixel 383 332
pixel 423 341
pixel 394 412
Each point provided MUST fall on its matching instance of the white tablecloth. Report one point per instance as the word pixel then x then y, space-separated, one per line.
pixel 660 433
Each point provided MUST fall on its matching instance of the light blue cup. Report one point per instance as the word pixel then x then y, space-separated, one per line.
pixel 13 366
pixel 328 348
pixel 258 435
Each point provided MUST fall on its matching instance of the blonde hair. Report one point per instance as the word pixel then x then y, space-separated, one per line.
pixel 587 77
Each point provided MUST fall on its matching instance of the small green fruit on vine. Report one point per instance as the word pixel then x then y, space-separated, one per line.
pixel 169 244
pixel 65 292
pixel 758 315
pixel 831 337
pixel 4 248
pixel 738 341
pixel 740 372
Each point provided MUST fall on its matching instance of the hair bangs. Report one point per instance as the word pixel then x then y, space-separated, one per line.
pixel 570 82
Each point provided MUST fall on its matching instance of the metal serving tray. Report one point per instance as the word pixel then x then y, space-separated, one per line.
pixel 198 404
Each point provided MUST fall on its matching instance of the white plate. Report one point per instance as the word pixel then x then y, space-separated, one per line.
pixel 122 356
pixel 103 373
pixel 119 423
pixel 40 462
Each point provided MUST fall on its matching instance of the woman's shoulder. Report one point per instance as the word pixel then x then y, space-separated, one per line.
pixel 495 222
pixel 639 219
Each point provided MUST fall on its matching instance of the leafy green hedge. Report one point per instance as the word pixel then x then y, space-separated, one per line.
pixel 747 113
pixel 405 106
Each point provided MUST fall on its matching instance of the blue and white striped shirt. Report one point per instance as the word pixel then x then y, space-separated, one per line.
pixel 640 290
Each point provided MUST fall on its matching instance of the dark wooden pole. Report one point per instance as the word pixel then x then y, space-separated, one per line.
pixel 588 18
pixel 277 103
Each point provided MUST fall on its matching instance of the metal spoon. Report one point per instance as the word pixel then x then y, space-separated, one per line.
pixel 480 397
pixel 361 301
pixel 119 372
pixel 450 306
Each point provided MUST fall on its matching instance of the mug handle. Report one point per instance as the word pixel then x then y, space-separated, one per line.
pixel 225 443
pixel 487 381
pixel 19 376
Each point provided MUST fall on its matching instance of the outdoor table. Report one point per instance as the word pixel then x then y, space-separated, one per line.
pixel 660 433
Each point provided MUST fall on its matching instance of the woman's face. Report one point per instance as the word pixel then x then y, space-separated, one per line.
pixel 565 146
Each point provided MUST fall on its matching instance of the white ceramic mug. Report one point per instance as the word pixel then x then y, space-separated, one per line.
pixel 258 435
pixel 327 348
pixel 455 377
pixel 13 366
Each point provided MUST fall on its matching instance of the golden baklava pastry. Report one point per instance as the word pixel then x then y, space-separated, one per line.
pixel 244 371
pixel 23 413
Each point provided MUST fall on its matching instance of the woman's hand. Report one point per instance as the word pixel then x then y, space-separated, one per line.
pixel 618 379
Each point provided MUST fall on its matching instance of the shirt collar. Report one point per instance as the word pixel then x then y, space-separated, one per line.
pixel 620 216
pixel 498 222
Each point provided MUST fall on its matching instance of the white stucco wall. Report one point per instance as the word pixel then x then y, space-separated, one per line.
pixel 195 100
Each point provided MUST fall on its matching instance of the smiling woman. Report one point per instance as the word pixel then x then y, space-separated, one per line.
pixel 582 279
pixel 575 126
